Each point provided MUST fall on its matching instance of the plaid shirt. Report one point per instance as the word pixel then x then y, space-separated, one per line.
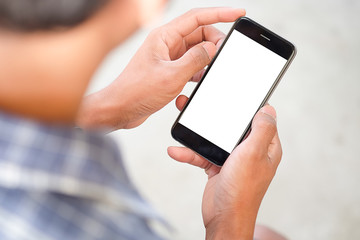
pixel 58 182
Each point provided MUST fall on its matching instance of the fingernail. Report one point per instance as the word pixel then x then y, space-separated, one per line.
pixel 269 110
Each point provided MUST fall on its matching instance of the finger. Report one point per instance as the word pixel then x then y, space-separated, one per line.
pixel 180 102
pixel 197 76
pixel 194 60
pixel 263 128
pixel 219 43
pixel 187 23
pixel 205 33
pixel 212 170
pixel 185 155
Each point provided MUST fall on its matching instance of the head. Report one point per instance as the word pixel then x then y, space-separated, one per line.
pixel 49 50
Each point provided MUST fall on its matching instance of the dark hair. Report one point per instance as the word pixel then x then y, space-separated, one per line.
pixel 30 15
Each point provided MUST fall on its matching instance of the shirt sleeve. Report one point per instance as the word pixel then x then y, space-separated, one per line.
pixel 46 215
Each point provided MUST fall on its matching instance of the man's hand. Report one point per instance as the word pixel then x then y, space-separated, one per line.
pixel 234 192
pixel 170 57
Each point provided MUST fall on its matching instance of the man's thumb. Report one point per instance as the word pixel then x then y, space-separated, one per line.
pixel 264 126
pixel 196 58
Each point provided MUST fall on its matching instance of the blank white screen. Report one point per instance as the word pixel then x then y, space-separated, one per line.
pixel 232 91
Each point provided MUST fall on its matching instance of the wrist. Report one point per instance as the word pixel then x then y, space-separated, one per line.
pixel 232 225
pixel 102 110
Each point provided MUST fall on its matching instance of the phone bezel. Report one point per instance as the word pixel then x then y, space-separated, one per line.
pixel 253 30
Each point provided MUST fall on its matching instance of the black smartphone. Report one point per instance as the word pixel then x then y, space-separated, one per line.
pixel 237 83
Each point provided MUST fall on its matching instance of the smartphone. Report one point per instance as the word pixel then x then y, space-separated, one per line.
pixel 237 83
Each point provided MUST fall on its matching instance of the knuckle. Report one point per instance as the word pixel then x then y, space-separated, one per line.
pixel 268 125
pixel 199 57
pixel 193 11
pixel 152 35
pixel 194 15
pixel 156 31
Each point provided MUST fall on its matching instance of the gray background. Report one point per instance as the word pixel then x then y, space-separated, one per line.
pixel 315 193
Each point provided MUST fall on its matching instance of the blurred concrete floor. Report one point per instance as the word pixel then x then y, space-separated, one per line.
pixel 315 193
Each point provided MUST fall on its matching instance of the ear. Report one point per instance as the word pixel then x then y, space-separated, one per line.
pixel 150 10
pixel 116 21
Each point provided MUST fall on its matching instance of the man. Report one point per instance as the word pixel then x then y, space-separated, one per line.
pixel 59 182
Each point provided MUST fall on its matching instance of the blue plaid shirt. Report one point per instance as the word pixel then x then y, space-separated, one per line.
pixel 57 182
